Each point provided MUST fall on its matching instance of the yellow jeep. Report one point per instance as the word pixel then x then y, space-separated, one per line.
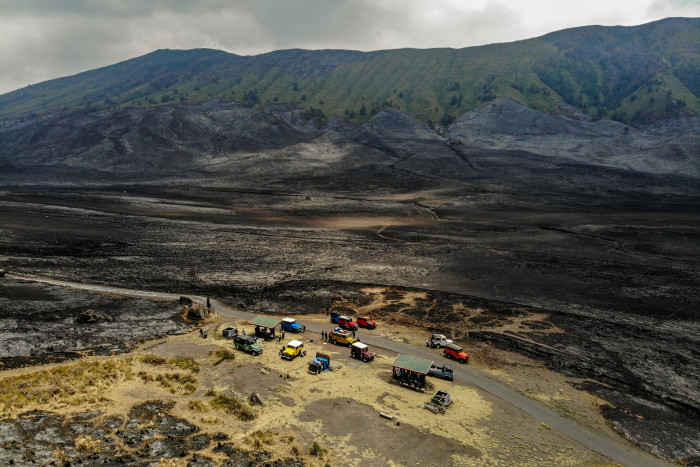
pixel 292 350
pixel 342 338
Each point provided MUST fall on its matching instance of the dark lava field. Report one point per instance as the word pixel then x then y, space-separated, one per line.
pixel 599 236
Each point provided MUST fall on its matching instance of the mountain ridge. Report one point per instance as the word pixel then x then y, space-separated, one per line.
pixel 633 74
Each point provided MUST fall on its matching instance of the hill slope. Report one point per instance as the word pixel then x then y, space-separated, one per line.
pixel 632 74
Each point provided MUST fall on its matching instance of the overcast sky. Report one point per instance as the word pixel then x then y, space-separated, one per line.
pixel 45 39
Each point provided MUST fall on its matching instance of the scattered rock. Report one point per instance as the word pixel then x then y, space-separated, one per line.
pixel 88 317
pixel 256 399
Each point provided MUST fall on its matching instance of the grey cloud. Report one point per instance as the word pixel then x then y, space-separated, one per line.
pixel 106 8
pixel 674 8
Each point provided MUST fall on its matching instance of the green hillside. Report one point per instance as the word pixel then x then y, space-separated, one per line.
pixel 632 74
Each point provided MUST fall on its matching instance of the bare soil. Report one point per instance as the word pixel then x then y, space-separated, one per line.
pixel 339 410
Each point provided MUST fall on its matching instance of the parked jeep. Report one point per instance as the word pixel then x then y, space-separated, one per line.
pixel 442 372
pixel 292 350
pixel 347 323
pixel 340 337
pixel 455 351
pixel 361 351
pixel 366 322
pixel 291 325
pixel 438 340
pixel 247 344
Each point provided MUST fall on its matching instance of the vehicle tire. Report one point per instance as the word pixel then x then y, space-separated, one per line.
pixel 365 360
pixel 438 346
pixel 334 342
pixel 349 344
pixel 447 355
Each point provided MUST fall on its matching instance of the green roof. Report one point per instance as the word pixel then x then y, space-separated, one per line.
pixel 265 321
pixel 419 365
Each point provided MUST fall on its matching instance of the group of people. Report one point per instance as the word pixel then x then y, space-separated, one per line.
pixel 409 377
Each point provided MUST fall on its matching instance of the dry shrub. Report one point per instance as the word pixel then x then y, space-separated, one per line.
pixel 152 359
pixel 86 444
pixel 170 462
pixel 223 354
pixel 185 363
pixel 187 384
pixel 196 406
pixel 75 384
pixel 233 406
pixel 316 449
pixel 261 438
pixel 60 455
pixel 296 452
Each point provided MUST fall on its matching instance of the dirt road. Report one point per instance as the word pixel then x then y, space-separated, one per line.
pixel 470 374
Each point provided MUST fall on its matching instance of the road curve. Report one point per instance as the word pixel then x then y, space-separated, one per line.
pixel 470 374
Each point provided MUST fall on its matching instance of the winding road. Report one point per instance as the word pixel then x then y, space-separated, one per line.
pixel 470 374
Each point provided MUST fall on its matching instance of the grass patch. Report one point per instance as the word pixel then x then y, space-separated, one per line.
pixel 223 354
pixel 152 359
pixel 196 406
pixel 185 363
pixel 173 381
pixel 316 449
pixel 233 406
pixel 76 384
pixel 259 438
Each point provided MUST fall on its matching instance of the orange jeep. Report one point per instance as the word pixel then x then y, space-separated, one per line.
pixel 456 352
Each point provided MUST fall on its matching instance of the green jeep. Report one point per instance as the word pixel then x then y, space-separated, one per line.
pixel 247 344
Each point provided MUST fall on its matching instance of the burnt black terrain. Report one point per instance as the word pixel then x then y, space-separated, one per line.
pixel 567 237
pixel 592 223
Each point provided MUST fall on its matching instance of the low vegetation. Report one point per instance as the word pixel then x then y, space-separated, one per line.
pixel 75 384
pixel 196 406
pixel 233 406
pixel 223 355
pixel 650 62
pixel 185 363
pixel 316 450
pixel 87 444
pixel 259 438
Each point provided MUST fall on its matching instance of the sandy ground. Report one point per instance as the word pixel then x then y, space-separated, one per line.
pixel 340 409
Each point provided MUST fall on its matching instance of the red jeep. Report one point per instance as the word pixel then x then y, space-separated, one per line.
pixel 347 323
pixel 366 322
pixel 456 352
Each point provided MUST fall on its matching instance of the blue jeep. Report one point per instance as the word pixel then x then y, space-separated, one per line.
pixel 291 325
pixel 443 372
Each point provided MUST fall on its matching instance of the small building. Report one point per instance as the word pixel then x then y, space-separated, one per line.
pixel 265 326
pixel 411 371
